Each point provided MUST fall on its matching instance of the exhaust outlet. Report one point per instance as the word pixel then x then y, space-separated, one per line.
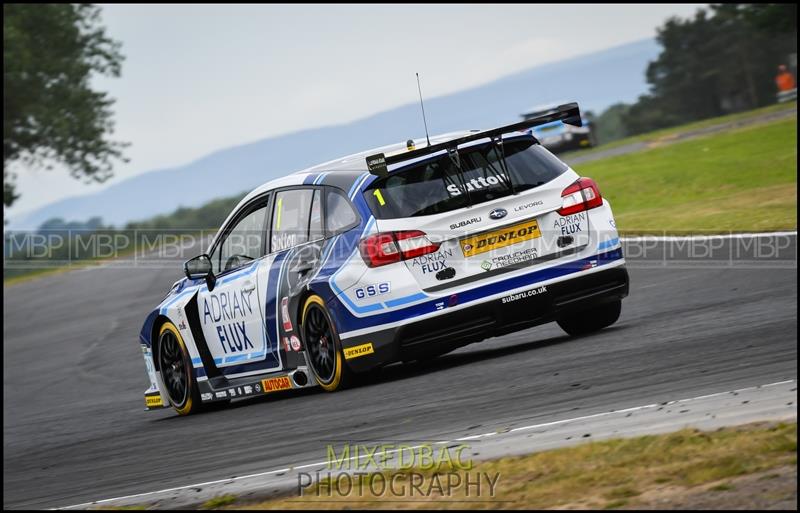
pixel 300 379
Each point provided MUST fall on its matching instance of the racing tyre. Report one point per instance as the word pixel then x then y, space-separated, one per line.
pixel 588 321
pixel 175 367
pixel 323 347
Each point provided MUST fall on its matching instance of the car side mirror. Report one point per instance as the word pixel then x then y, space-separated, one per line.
pixel 200 267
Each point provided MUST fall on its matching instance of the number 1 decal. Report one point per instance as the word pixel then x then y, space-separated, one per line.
pixel 280 210
pixel 377 193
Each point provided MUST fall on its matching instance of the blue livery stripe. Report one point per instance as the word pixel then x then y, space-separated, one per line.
pixel 321 177
pixel 248 356
pixel 352 323
pixel 608 244
pixel 339 292
pixel 228 277
pixel 357 184
pixel 405 300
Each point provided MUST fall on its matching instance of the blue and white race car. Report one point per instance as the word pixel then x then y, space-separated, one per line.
pixel 397 254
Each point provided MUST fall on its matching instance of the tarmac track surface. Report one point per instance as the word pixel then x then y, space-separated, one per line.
pixel 74 430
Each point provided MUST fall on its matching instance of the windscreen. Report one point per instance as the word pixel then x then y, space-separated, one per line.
pixel 436 186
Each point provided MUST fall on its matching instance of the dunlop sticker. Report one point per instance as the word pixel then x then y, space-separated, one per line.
pixel 507 236
pixel 276 384
pixel 153 400
pixel 356 351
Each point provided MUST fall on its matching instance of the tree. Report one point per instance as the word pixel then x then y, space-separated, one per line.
pixel 609 125
pixel 50 112
pixel 722 60
pixel 780 18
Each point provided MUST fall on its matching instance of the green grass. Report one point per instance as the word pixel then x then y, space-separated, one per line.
pixel 616 504
pixel 25 275
pixel 666 133
pixel 605 474
pixel 739 180
pixel 14 276
pixel 218 502
pixel 135 507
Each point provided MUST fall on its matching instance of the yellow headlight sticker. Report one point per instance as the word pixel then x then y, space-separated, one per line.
pixel 356 351
pixel 507 236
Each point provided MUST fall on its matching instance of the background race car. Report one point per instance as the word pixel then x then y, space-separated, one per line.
pixel 559 136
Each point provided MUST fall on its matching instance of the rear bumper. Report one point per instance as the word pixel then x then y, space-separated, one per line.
pixel 515 312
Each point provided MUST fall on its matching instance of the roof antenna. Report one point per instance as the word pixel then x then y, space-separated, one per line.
pixel 422 105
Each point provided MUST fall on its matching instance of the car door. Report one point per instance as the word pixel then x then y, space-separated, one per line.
pixel 296 238
pixel 231 315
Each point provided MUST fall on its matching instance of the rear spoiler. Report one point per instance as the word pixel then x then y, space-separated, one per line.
pixel 568 113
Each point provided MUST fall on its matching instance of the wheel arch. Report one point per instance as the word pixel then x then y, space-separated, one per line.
pixel 159 321
pixel 301 303
pixel 341 375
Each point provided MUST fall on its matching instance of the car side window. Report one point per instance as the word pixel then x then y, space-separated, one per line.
pixel 315 231
pixel 291 218
pixel 243 243
pixel 339 213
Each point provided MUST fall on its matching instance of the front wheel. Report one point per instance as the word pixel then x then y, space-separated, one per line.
pixel 176 370
pixel 588 321
pixel 323 347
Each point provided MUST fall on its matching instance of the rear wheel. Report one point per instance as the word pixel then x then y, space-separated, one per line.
pixel 588 321
pixel 176 370
pixel 323 347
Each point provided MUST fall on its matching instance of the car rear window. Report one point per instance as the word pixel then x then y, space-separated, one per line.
pixel 435 186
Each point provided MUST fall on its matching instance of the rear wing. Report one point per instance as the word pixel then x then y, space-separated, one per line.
pixel 568 113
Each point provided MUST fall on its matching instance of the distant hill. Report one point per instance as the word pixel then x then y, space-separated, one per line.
pixel 595 80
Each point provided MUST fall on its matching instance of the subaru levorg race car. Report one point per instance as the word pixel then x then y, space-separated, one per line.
pixel 397 254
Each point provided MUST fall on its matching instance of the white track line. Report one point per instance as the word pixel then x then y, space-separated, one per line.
pixel 708 237
pixel 472 437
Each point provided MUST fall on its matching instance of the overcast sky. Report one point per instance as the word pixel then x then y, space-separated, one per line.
pixel 205 77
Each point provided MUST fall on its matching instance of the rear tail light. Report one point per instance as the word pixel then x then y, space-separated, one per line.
pixel 390 247
pixel 581 195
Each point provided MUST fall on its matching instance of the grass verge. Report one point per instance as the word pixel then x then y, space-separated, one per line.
pixel 22 275
pixel 739 180
pixel 219 501
pixel 667 133
pixel 605 474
